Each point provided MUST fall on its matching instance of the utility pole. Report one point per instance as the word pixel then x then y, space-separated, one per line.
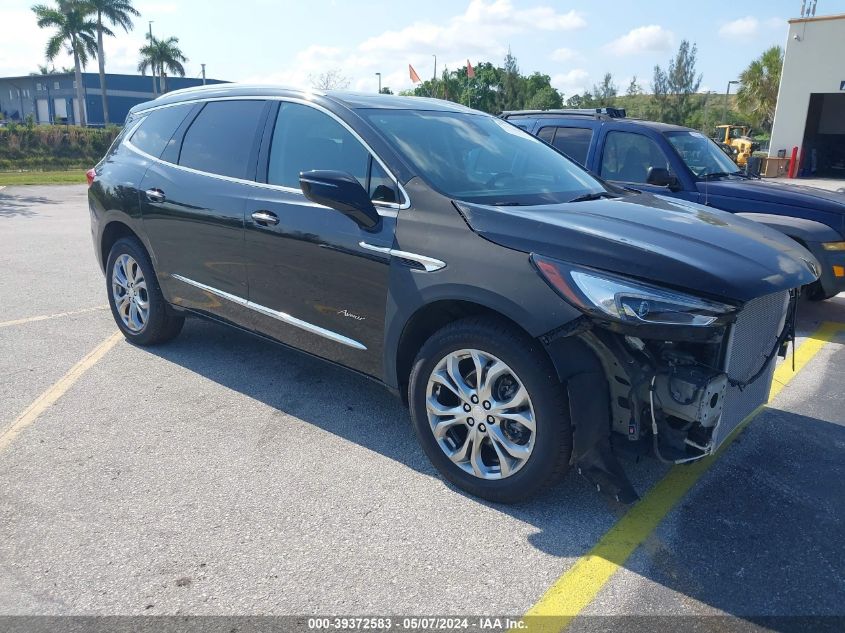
pixel 727 92
pixel 203 74
pixel 379 82
pixel 153 64
pixel 434 77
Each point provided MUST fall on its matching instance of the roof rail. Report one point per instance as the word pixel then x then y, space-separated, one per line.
pixel 597 113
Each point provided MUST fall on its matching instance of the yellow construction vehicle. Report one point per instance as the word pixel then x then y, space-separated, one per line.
pixel 736 141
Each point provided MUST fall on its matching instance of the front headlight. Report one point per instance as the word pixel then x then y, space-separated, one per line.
pixel 608 296
pixel 833 246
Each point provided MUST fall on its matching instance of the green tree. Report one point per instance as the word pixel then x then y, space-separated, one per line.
pixel 162 56
pixel 683 83
pixel 757 96
pixel 546 98
pixel 74 31
pixel 634 88
pixel 511 93
pixel 605 92
pixel 117 13
pixel 660 92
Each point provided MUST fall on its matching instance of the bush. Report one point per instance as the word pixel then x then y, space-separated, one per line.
pixel 50 147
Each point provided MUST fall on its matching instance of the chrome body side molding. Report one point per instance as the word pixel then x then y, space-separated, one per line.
pixel 275 314
pixel 428 263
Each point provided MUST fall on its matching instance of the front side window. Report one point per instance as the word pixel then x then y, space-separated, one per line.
pixel 572 141
pixel 479 158
pixel 157 129
pixel 703 157
pixel 627 157
pixel 221 138
pixel 305 139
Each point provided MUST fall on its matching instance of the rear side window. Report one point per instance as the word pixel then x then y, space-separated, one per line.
pixel 572 141
pixel 157 129
pixel 220 140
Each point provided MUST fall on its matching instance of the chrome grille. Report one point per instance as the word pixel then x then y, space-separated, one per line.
pixel 752 338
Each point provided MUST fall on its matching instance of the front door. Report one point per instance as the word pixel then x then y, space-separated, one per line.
pixel 316 279
pixel 193 209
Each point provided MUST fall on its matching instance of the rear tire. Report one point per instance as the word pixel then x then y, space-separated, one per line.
pixel 518 382
pixel 135 298
pixel 816 292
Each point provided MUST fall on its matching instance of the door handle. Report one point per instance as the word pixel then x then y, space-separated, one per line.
pixel 155 195
pixel 265 218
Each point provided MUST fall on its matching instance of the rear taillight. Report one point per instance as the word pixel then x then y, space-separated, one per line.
pixel 90 175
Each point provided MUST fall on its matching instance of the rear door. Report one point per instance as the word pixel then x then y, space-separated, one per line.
pixel 316 279
pixel 193 202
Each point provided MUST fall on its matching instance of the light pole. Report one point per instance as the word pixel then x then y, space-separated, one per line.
pixel 379 82
pixel 727 92
pixel 153 63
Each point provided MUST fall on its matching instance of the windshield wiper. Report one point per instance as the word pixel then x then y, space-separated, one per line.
pixel 596 195
pixel 721 174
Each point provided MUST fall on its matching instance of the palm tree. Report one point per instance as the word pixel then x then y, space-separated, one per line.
pixel 117 13
pixel 162 56
pixel 75 32
pixel 758 93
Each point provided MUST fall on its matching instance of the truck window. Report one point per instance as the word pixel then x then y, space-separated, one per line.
pixel 627 157
pixel 572 141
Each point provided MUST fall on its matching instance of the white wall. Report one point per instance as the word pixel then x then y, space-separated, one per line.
pixel 813 63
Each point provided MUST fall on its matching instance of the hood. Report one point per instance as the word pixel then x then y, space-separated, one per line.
pixel 775 192
pixel 658 240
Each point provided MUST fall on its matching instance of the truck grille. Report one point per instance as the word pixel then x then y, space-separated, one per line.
pixel 753 336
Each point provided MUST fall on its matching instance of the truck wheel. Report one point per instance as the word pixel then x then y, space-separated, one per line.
pixel 816 292
pixel 136 302
pixel 489 410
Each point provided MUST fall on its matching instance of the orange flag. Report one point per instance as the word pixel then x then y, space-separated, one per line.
pixel 470 70
pixel 414 76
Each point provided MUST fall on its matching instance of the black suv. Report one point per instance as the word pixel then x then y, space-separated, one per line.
pixel 682 163
pixel 525 309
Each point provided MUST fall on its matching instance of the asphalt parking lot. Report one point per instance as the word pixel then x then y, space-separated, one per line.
pixel 223 475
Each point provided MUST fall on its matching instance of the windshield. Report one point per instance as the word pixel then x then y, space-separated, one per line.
pixel 479 158
pixel 701 154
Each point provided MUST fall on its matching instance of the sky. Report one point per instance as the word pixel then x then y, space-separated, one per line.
pixel 290 43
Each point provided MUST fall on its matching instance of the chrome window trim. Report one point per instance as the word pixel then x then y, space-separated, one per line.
pixel 430 264
pixel 275 314
pixel 405 204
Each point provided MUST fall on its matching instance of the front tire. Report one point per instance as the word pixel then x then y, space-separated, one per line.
pixel 135 298
pixel 503 436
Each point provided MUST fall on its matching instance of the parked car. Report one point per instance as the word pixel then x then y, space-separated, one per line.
pixel 682 163
pixel 524 309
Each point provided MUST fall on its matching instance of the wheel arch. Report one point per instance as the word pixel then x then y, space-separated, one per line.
pixel 428 319
pixel 112 232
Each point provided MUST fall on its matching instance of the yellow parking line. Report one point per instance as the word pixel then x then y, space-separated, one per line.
pixel 59 388
pixel 44 317
pixel 580 584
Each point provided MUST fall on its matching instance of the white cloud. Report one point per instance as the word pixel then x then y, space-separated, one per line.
pixel 480 32
pixel 564 55
pixel 643 39
pixel 741 27
pixel 573 82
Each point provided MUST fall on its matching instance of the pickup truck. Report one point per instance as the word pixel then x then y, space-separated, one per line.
pixel 679 162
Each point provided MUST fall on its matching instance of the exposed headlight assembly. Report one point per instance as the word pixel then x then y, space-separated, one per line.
pixel 833 246
pixel 608 296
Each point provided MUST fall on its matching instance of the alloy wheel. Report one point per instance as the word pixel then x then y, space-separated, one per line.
pixel 480 414
pixel 129 290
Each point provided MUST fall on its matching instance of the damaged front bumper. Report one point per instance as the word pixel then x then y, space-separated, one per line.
pixel 679 392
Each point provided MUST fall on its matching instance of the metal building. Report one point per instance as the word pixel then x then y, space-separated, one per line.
pixel 52 98
pixel 810 113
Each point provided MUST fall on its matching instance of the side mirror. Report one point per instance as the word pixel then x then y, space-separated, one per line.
pixel 660 177
pixel 341 191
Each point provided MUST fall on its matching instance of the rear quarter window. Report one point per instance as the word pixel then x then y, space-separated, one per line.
pixel 572 141
pixel 155 132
